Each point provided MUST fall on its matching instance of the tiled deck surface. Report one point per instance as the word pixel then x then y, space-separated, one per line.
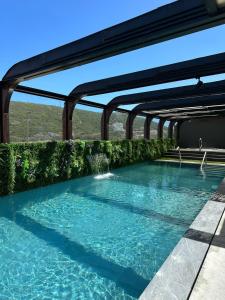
pixel 195 269
pixel 210 284
pixel 203 149
pixel 191 162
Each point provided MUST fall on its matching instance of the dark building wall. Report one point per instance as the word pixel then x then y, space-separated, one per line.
pixel 211 130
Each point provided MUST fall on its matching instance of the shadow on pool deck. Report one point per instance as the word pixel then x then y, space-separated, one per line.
pixel 149 213
pixel 132 283
pixel 208 238
pixel 219 240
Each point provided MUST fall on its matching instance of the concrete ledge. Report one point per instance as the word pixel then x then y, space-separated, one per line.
pixel 177 276
pixel 210 283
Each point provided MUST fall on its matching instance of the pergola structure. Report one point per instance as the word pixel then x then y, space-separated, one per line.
pixel 161 96
pixel 170 21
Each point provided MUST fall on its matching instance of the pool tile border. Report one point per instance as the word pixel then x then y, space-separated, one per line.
pixel 176 277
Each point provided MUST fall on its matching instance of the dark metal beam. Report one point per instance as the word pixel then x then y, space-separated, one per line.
pixel 178 117
pixel 191 102
pixel 105 123
pixel 147 127
pixel 129 125
pixel 40 93
pixel 56 96
pixel 190 113
pixel 207 89
pixel 189 69
pixel 171 129
pixel 213 88
pixel 208 100
pixel 186 110
pixel 160 128
pixel 198 117
pixel 170 21
pixel 198 114
pixel 158 105
pixel 61 97
pixel 177 131
pixel 195 68
pixel 212 7
pixel 67 116
pixel 69 101
pixel 5 95
pixel 163 112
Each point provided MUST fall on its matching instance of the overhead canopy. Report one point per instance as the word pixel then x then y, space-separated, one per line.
pixel 191 102
pixel 214 88
pixel 185 118
pixel 172 20
pixel 192 113
pixel 195 68
pixel 174 111
pixel 57 96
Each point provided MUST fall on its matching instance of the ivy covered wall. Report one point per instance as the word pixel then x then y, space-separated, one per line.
pixel 27 165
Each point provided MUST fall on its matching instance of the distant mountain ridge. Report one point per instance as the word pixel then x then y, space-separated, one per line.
pixel 39 122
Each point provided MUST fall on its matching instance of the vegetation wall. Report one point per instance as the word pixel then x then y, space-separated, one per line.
pixel 28 165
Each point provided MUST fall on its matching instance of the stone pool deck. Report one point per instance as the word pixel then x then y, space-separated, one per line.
pixel 191 162
pixel 196 267
pixel 210 283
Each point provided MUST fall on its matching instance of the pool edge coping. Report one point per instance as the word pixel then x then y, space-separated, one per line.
pixel 187 162
pixel 178 274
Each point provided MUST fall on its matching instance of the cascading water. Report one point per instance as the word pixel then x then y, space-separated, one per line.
pixel 99 164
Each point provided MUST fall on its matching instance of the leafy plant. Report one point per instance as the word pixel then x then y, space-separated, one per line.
pixel 28 165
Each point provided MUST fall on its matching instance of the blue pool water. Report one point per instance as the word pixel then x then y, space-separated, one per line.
pixel 97 239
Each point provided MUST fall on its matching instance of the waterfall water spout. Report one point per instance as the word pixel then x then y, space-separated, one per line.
pixel 104 176
pixel 99 164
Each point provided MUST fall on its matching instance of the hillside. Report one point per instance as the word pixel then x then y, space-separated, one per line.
pixel 38 122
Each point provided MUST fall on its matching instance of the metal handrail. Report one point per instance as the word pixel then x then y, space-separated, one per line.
pixel 200 144
pixel 178 149
pixel 203 160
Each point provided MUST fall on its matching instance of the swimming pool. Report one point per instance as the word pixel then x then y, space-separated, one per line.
pixel 97 239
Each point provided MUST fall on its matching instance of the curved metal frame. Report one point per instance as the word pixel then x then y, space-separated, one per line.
pixel 6 92
pixel 194 113
pixel 213 88
pixel 182 103
pixel 130 122
pixel 160 128
pixel 172 20
pixel 167 22
pixel 129 125
pixel 171 129
pixel 189 102
pixel 177 131
pixel 147 127
pixel 196 116
pixel 106 114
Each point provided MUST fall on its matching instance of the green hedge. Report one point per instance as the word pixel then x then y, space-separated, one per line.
pixel 27 165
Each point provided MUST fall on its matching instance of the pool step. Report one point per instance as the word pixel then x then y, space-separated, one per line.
pixel 196 155
pixel 213 171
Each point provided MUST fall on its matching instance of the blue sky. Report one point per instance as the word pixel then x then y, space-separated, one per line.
pixel 31 27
